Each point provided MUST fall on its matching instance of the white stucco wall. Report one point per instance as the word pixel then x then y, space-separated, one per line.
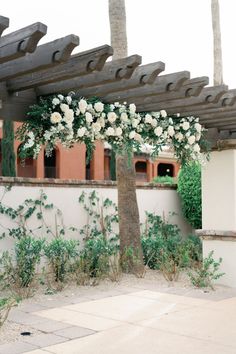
pixel 161 201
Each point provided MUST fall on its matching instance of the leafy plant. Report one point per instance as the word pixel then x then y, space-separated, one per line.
pixel 5 306
pixel 164 180
pixel 60 253
pixel 189 189
pixel 204 276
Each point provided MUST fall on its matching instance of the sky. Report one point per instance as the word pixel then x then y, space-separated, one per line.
pixel 177 32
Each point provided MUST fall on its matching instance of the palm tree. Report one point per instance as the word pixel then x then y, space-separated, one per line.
pixel 218 66
pixel 129 229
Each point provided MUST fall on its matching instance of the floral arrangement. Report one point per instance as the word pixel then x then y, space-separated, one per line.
pixel 71 119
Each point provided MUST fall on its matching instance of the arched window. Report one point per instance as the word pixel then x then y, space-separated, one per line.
pixel 165 169
pixel 50 165
pixel 26 167
pixel 141 170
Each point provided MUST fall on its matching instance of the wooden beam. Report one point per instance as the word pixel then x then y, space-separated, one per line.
pixel 143 75
pixel 18 43
pixel 16 106
pixel 79 64
pixel 163 83
pixel 4 23
pixel 45 56
pixel 113 71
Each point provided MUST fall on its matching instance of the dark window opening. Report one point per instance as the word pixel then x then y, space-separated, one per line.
pixel 50 165
pixel 26 167
pixel 165 169
pixel 141 170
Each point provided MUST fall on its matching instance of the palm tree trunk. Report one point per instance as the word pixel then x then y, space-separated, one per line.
pixel 218 65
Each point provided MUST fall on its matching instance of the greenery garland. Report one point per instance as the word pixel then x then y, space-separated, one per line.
pixel 71 119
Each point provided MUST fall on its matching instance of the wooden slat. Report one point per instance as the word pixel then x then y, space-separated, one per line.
pixel 45 56
pixel 18 43
pixel 4 23
pixel 16 105
pixel 113 71
pixel 79 64
pixel 163 83
pixel 145 74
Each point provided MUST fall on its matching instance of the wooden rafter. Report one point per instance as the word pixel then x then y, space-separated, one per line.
pixel 4 23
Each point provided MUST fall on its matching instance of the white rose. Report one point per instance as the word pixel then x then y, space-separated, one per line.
pixel 81 132
pixel 69 116
pixel 135 123
pixel 111 116
pixel 170 120
pixel 198 136
pixel 110 131
pixel 112 107
pixel 179 136
pixel 132 134
pixel 171 130
pixel 163 113
pixel 154 123
pixel 60 127
pixel 55 101
pixel 77 112
pixel 96 127
pixel 55 118
pixel 61 97
pixel 186 125
pixel 124 117
pixel 187 146
pixel 196 148
pixel 83 106
pixel 68 99
pixel 138 137
pixel 99 106
pixel 119 131
pixel 64 107
pixel 88 117
pixel 191 140
pixel 116 104
pixel 132 108
pixel 102 122
pixel 158 131
pixel 148 119
pixel 198 127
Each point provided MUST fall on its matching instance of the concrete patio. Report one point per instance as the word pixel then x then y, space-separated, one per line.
pixel 139 319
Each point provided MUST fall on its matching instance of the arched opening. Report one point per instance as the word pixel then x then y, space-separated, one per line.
pixel 0 157
pixel 141 170
pixel 26 167
pixel 50 165
pixel 107 164
pixel 165 169
pixel 88 168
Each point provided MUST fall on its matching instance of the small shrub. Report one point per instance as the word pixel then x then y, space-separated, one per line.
pixel 5 306
pixel 204 276
pixel 60 254
pixel 164 180
pixel 189 189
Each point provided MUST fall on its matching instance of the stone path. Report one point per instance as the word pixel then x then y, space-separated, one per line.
pixel 128 320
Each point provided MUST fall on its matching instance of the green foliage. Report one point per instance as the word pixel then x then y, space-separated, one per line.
pixel 60 253
pixel 164 179
pixel 113 165
pixel 165 249
pixel 189 189
pixel 8 154
pixel 204 276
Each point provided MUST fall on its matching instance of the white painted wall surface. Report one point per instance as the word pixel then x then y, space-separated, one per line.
pixel 160 201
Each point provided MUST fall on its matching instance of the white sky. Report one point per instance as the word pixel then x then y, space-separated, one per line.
pixel 178 32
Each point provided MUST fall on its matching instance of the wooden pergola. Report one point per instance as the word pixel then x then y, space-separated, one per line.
pixel 29 70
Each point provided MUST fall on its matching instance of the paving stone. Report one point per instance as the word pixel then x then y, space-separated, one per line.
pixel 74 332
pixel 50 326
pixel 16 348
pixel 31 307
pixel 44 339
pixel 25 318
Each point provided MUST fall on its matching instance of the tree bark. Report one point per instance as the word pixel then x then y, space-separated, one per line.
pixel 218 63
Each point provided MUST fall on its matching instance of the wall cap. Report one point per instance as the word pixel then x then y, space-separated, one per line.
pixel 223 235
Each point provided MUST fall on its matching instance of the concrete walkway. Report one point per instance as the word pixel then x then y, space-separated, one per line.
pixel 130 321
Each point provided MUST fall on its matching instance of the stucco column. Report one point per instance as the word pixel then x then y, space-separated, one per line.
pixel 219 209
pixel 97 162
pixel 39 165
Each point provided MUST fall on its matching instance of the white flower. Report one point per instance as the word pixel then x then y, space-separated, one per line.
pixel 88 117
pixel 68 99
pixel 154 123
pixel 83 106
pixel 102 122
pixel 99 106
pixel 29 144
pixel 64 107
pixel 187 146
pixel 111 116
pixel 171 130
pixel 81 132
pixel 178 115
pixel 132 108
pixel 196 148
pixel 158 131
pixel 69 116
pixel 61 97
pixel 116 104
pixel 135 123
pixel 191 140
pixel 171 121
pixel 96 127
pixel 55 118
pixel 198 127
pixel 148 119
pixel 186 125
pixel 110 131
pixel 198 136
pixel 155 114
pixel 31 135
pixel 132 134
pixel 163 113
pixel 1 124
pixel 119 131
pixel 60 127
pixel 77 112
pixel 138 137
pixel 112 107
pixel 55 101
pixel 179 136
pixel 124 117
